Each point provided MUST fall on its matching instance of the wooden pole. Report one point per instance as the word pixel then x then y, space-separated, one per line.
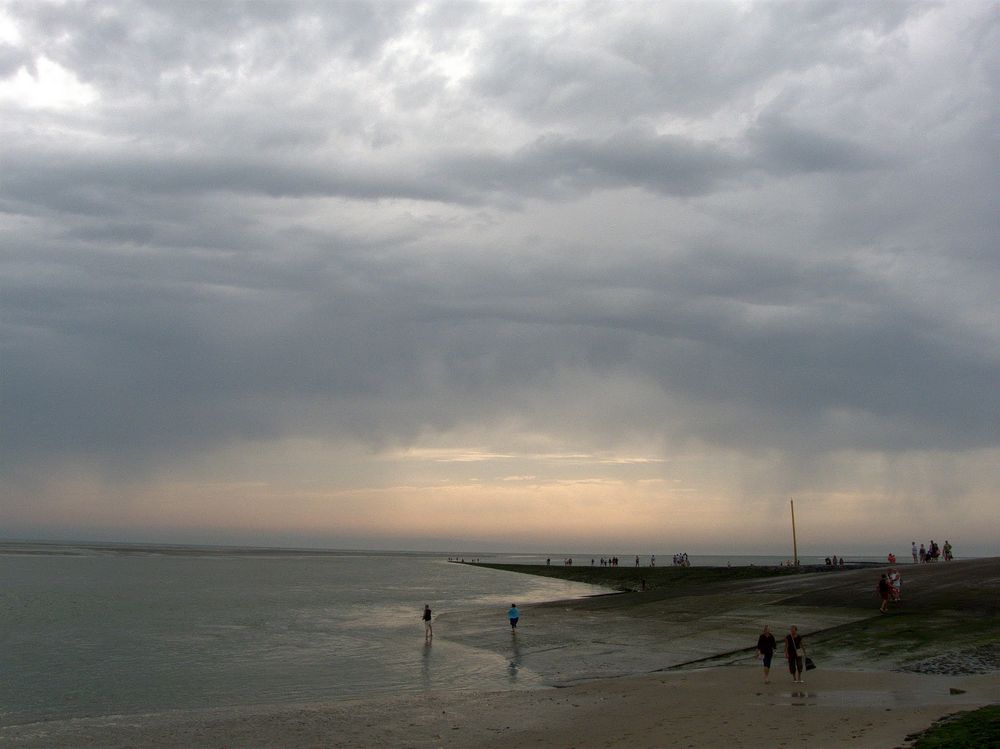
pixel 795 545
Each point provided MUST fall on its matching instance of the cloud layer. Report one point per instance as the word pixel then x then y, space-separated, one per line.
pixel 744 249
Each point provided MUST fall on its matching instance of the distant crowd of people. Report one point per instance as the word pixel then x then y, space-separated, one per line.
pixel 834 561
pixel 932 552
pixel 608 561
pixel 890 585
pixel 679 559
pixel 614 561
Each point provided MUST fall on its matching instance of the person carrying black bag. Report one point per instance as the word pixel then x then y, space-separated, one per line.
pixel 795 652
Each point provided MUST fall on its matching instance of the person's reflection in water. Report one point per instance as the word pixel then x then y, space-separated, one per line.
pixel 425 665
pixel 515 661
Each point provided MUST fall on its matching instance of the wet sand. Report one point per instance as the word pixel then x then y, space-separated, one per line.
pixel 717 707
pixel 635 670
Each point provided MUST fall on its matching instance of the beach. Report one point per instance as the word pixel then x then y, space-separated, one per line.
pixel 673 666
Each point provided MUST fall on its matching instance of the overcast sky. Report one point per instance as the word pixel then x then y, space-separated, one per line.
pixel 623 276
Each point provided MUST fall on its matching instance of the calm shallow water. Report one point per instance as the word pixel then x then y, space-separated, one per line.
pixel 105 632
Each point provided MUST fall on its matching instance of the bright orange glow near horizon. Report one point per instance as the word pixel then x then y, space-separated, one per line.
pixel 556 501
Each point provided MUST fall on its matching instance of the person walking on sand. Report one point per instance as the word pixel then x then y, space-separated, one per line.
pixel 765 650
pixel 428 629
pixel 913 550
pixel 795 652
pixel 883 593
pixel 513 615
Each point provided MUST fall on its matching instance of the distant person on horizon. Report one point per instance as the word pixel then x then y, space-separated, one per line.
pixel 765 650
pixel 428 629
pixel 795 653
pixel 913 550
pixel 513 615
pixel 948 556
pixel 923 553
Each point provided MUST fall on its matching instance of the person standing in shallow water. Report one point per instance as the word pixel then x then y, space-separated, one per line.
pixel 765 650
pixel 795 653
pixel 428 629
pixel 512 616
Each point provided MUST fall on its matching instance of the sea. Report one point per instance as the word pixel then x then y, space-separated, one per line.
pixel 89 630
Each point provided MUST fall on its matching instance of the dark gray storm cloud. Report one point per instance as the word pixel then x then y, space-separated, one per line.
pixel 363 221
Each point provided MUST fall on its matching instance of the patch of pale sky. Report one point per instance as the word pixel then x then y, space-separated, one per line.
pixel 466 455
pixel 649 513
pixel 9 31
pixel 50 86
pixel 451 455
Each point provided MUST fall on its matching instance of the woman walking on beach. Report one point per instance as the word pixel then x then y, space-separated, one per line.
pixel 765 650
pixel 795 653
pixel 513 615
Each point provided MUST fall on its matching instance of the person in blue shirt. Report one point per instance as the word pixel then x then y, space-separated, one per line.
pixel 513 614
